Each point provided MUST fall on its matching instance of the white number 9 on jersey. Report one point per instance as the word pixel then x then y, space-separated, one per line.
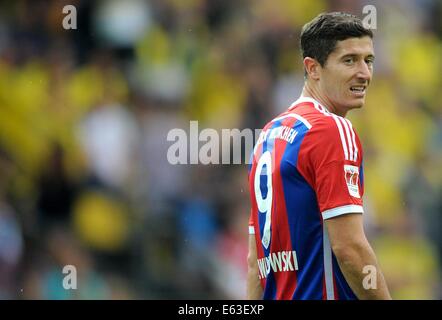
pixel 265 205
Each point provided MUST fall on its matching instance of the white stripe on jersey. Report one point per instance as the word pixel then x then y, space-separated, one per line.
pixel 347 131
pixel 341 134
pixel 328 266
pixel 334 212
pixel 354 140
pixel 348 139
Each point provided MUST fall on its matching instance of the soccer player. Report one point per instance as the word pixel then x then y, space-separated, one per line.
pixel 306 179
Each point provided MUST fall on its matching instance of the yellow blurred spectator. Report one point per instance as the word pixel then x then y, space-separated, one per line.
pixel 101 221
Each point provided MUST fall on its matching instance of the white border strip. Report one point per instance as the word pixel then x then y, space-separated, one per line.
pixel 297 116
pixel 337 119
pixel 343 124
pixel 349 142
pixel 341 134
pixel 304 99
pixel 352 208
pixel 328 267
pixel 355 158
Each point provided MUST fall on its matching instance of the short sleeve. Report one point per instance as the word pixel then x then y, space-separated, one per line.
pixel 251 224
pixel 331 161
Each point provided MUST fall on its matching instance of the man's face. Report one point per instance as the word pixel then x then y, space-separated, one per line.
pixel 346 74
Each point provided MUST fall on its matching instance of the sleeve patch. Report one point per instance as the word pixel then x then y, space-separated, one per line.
pixel 352 179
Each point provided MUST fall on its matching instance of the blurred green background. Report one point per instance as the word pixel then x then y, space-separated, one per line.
pixel 84 116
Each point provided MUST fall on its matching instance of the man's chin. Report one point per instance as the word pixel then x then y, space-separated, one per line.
pixel 357 104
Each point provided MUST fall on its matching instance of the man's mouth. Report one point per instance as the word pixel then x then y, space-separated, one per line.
pixel 358 90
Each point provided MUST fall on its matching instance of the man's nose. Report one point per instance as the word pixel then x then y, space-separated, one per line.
pixel 364 71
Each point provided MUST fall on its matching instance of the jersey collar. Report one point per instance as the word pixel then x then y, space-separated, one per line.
pixel 302 99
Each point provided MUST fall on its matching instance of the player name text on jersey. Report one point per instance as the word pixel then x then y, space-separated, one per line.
pixel 283 132
pixel 281 261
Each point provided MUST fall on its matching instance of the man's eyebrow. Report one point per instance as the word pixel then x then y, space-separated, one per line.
pixel 350 55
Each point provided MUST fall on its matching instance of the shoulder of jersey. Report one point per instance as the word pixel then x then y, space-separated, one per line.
pixel 328 125
pixel 319 117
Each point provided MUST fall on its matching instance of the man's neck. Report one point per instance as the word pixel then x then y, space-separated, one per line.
pixel 310 92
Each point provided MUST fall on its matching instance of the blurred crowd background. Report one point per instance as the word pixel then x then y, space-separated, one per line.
pixel 84 116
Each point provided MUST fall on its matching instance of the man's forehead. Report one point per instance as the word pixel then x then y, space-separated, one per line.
pixel 359 46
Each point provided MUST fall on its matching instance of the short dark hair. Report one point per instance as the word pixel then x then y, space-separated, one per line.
pixel 319 36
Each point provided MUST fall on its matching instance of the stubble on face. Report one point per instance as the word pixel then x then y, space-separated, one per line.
pixel 346 75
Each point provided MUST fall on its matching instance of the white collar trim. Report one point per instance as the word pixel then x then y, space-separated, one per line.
pixel 308 99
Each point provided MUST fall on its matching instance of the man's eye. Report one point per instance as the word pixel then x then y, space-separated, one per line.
pixel 348 60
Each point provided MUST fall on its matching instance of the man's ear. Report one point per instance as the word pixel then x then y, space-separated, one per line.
pixel 312 67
